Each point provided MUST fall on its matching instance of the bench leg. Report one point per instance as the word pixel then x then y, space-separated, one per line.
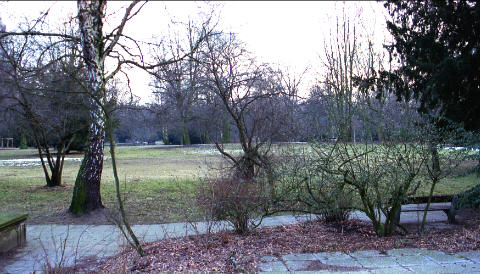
pixel 397 216
pixel 450 214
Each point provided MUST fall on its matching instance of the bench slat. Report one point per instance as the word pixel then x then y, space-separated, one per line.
pixel 422 208
pixel 448 208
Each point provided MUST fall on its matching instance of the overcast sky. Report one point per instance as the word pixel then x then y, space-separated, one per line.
pixel 288 34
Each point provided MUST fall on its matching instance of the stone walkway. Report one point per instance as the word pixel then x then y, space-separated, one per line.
pixel 70 245
pixel 74 244
pixel 372 261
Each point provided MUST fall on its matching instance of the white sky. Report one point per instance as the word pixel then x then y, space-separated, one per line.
pixel 289 34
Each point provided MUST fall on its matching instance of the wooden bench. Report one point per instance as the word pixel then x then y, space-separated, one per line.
pixel 13 232
pixel 445 203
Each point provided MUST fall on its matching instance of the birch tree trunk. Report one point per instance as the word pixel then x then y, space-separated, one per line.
pixel 86 193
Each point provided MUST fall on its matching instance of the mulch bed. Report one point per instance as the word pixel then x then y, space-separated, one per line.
pixel 228 252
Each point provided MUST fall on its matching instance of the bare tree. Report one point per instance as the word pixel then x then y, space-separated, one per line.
pixel 340 64
pixel 246 91
pixel 178 84
pixel 36 87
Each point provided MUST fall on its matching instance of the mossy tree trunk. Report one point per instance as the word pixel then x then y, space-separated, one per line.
pixel 86 193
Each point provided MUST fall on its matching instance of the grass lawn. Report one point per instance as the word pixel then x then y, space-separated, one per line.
pixel 157 182
pixel 154 180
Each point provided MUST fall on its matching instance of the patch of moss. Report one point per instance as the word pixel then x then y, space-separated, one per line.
pixel 9 218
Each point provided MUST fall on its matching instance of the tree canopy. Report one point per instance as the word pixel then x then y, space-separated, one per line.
pixel 438 45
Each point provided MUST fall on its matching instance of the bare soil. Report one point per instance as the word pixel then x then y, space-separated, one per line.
pixel 64 217
pixel 228 252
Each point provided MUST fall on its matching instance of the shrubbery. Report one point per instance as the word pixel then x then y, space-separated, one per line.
pixel 305 187
pixel 382 175
pixel 470 198
pixel 331 180
pixel 237 201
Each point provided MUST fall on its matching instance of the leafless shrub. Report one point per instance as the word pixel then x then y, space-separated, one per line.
pixel 304 187
pixel 237 201
pixel 61 259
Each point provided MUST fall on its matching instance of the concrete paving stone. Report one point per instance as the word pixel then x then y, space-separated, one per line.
pixel 428 252
pixel 18 267
pixel 425 269
pixel 405 252
pixel 331 272
pixel 103 251
pixel 299 257
pixel 332 256
pixel 390 270
pixel 378 262
pixel 315 271
pixel 472 268
pixel 446 258
pixel 367 254
pixel 350 262
pixel 349 272
pixel 272 267
pixel 302 272
pixel 414 260
pixel 269 259
pixel 471 255
pixel 447 268
pixel 297 265
pixel 281 220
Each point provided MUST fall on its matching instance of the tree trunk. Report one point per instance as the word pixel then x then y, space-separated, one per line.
pixel 434 177
pixel 226 138
pixel 165 136
pixel 206 137
pixel 86 193
pixel 186 134
pixel 56 179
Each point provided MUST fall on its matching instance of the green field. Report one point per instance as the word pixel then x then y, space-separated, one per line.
pixel 154 180
pixel 157 182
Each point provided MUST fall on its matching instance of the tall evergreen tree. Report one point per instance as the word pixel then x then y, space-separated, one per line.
pixel 438 45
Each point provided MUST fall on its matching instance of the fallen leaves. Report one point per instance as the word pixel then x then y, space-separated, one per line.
pixel 227 252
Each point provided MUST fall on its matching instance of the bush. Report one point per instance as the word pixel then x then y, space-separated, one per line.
pixel 305 187
pixel 237 201
pixel 382 175
pixel 470 198
pixel 337 205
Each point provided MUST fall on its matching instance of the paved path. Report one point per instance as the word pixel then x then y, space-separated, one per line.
pixel 45 243
pixel 371 261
